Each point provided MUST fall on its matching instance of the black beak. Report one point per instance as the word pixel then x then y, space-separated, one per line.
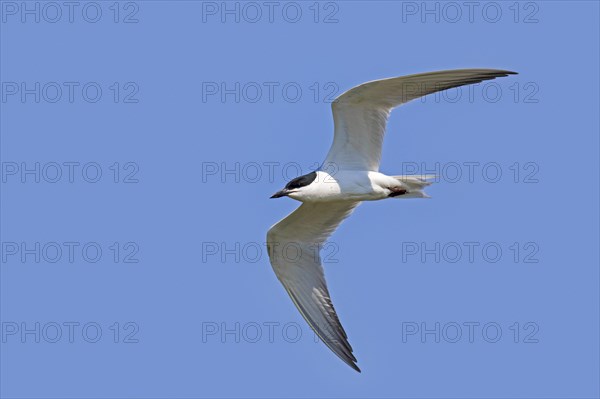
pixel 280 194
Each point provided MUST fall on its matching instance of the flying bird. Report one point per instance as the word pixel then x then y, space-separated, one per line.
pixel 360 116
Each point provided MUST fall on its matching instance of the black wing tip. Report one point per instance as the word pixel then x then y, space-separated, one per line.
pixel 498 73
pixel 485 71
pixel 351 361
pixel 492 73
pixel 506 73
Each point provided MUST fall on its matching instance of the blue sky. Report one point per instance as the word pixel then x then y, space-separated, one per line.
pixel 140 143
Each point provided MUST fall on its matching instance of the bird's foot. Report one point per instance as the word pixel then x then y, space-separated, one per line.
pixel 396 191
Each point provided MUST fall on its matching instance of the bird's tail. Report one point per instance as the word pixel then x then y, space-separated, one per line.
pixel 415 185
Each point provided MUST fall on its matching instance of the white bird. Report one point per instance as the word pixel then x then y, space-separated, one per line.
pixel 360 117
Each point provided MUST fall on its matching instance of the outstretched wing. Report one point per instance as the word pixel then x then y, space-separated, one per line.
pixel 360 114
pixel 293 246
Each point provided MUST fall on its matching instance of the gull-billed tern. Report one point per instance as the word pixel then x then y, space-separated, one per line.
pixel 360 117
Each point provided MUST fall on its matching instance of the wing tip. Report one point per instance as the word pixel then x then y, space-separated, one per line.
pixel 347 358
pixel 485 70
pixel 350 361
pixel 355 367
pixel 506 72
